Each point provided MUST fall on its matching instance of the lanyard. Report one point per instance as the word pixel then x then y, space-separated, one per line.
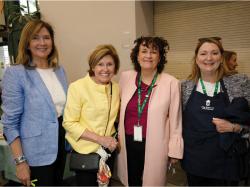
pixel 139 106
pixel 204 88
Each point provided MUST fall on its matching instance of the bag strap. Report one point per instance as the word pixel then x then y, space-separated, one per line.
pixel 110 103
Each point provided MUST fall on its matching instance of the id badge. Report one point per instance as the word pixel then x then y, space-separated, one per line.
pixel 138 133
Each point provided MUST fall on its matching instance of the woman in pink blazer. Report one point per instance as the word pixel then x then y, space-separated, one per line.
pixel 150 129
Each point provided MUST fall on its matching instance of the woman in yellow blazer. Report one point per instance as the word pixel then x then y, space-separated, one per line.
pixel 91 109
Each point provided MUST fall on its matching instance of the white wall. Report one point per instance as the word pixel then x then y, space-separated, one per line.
pixel 81 25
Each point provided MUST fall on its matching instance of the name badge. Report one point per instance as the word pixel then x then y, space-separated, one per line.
pixel 138 133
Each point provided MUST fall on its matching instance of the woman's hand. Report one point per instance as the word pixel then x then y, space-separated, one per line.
pixel 109 142
pixel 171 165
pixel 223 126
pixel 23 173
pixel 105 141
pixel 22 169
pixel 172 160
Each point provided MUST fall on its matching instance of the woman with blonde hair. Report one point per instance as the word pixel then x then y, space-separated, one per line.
pixel 91 110
pixel 208 91
pixel 34 95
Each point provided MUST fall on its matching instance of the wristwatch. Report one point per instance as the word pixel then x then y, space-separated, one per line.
pixel 20 159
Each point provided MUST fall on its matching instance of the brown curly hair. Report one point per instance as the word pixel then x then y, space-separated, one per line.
pixel 158 43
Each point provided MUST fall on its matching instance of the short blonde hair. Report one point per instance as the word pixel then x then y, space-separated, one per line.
pixel 100 52
pixel 30 29
pixel 222 70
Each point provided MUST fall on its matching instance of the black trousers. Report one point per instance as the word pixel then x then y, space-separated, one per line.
pixel 52 175
pixel 135 160
pixel 203 181
pixel 89 178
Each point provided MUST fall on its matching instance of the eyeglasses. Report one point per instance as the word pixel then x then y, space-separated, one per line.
pixel 208 38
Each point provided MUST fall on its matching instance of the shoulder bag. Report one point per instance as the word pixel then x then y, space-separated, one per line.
pixel 87 162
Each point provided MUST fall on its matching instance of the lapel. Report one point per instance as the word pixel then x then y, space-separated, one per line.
pixel 130 87
pixel 39 84
pixel 157 84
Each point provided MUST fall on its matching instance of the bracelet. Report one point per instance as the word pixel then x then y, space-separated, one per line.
pixel 233 127
pixel 20 159
pixel 241 128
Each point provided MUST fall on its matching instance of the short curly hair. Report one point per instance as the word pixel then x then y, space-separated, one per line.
pixel 158 43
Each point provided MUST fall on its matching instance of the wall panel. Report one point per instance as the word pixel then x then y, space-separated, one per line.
pixel 182 23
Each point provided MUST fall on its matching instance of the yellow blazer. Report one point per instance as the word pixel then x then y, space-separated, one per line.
pixel 87 107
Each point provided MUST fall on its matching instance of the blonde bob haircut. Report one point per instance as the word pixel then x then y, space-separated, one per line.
pixel 222 69
pixel 29 31
pixel 100 52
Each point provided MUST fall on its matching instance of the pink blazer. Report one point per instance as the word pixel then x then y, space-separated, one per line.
pixel 164 128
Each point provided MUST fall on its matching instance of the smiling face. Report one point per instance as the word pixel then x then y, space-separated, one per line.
pixel 104 70
pixel 208 58
pixel 148 57
pixel 40 45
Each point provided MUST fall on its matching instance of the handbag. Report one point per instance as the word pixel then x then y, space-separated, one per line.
pixel 84 162
pixel 87 162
